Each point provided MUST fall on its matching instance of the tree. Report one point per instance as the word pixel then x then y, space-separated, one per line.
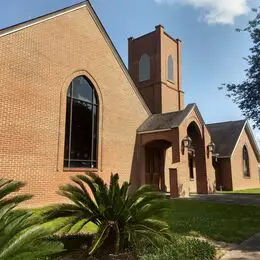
pixel 21 234
pixel 123 219
pixel 247 93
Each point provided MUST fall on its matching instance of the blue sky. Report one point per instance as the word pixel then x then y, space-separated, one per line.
pixel 212 50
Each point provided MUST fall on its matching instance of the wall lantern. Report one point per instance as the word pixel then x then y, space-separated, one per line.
pixel 215 156
pixel 211 148
pixel 186 143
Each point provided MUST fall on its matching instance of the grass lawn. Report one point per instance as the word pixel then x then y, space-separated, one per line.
pixel 223 222
pixel 248 191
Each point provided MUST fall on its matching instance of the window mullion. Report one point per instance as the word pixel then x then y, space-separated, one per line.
pixel 92 135
pixel 70 124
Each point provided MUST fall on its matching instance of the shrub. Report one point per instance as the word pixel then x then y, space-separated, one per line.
pixel 123 219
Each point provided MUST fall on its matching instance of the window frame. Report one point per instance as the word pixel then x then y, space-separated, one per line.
pixel 142 67
pixel 94 132
pixel 170 58
pixel 246 163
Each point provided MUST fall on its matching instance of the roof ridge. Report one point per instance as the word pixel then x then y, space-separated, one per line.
pixel 168 112
pixel 30 22
pixel 230 121
pixel 187 106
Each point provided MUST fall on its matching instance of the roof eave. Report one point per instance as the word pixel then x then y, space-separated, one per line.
pixel 40 19
pixel 234 148
pixel 100 26
pixel 255 144
pixel 251 136
pixel 154 131
pixel 117 56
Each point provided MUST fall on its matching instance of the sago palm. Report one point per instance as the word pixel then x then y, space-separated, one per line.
pixel 122 218
pixel 21 236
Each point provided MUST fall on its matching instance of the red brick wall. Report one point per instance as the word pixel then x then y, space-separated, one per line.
pixel 239 181
pixel 37 65
pixel 160 94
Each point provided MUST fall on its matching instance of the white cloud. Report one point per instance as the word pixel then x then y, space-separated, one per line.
pixel 215 11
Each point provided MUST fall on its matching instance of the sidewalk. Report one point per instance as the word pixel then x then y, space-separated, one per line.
pixel 247 250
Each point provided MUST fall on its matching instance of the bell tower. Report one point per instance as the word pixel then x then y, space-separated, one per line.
pixel 154 62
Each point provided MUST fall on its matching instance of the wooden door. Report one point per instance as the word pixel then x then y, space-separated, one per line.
pixel 154 167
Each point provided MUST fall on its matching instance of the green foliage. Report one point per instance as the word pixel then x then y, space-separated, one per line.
pixel 21 237
pixel 122 218
pixel 247 93
pixel 180 248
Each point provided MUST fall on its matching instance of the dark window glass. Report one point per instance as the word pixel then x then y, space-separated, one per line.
pixel 81 135
pixel 246 168
pixel 144 67
pixel 191 167
pixel 170 68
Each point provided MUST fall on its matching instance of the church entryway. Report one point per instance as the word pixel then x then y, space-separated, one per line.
pixel 196 160
pixel 155 163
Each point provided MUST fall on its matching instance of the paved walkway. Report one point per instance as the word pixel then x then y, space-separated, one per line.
pixel 242 199
pixel 248 250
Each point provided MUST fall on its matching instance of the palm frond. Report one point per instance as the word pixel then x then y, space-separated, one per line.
pixel 21 234
pixel 8 187
pixel 122 218
pixel 100 238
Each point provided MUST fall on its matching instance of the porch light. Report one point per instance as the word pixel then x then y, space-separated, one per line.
pixel 186 143
pixel 211 147
pixel 215 156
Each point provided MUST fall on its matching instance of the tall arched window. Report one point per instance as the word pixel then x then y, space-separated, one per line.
pixel 170 68
pixel 81 125
pixel 144 67
pixel 246 167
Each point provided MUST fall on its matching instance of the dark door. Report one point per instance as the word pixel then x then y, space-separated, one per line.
pixel 155 167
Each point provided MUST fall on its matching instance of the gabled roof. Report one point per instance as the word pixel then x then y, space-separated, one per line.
pixel 227 134
pixel 167 121
pixel 86 4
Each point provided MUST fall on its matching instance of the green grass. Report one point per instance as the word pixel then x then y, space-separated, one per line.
pixel 255 191
pixel 181 248
pixel 223 222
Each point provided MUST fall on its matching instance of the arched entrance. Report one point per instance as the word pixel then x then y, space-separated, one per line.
pixel 155 152
pixel 196 160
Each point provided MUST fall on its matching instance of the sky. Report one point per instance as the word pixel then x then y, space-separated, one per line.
pixel 212 50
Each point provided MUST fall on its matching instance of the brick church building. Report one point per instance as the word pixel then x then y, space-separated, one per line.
pixel 68 105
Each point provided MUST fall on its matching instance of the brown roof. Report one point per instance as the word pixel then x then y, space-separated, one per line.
pixel 157 122
pixel 225 135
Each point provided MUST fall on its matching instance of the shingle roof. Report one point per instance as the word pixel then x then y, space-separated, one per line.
pixel 165 121
pixel 225 135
